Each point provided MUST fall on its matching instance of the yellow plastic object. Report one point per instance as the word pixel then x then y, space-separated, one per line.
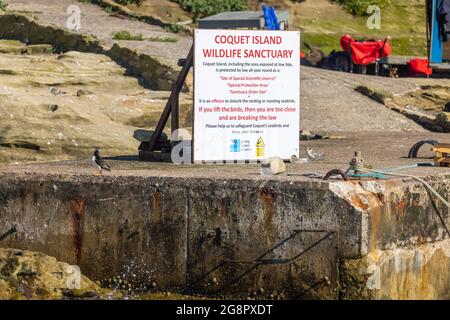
pixel 442 155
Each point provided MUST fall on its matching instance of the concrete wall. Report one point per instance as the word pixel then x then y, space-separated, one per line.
pixel 177 232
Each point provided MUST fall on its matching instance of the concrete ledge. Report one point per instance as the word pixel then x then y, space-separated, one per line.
pixel 201 233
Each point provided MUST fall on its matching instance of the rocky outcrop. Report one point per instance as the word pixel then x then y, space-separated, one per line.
pixel 62 106
pixel 34 275
pixel 155 72
pixel 427 105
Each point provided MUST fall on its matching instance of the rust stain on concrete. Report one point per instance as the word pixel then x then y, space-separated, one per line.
pixel 374 229
pixel 77 211
pixel 222 208
pixel 155 204
pixel 268 198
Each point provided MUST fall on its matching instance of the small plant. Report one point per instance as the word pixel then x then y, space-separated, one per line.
pixel 359 7
pixel 50 50
pixel 163 39
pixel 3 5
pixel 109 9
pixel 174 28
pixel 125 35
pixel 126 2
pixel 204 8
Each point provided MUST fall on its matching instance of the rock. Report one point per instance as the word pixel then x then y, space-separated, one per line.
pixel 53 107
pixel 447 107
pixel 82 92
pixel 79 293
pixel 443 120
pixel 377 95
pixel 21 144
pixel 56 91
pixel 34 275
pixel 34 109
pixel 272 166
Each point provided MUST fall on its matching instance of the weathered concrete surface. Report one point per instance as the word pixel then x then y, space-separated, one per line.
pixel 404 273
pixel 196 226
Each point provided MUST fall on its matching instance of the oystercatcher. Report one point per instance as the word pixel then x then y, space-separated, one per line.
pixel 99 162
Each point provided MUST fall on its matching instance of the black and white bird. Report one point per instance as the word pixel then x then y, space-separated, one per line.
pixel 99 162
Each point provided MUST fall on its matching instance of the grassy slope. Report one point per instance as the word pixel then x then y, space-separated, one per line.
pixel 324 22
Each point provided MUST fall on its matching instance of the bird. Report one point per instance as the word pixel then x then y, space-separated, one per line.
pixel 314 155
pixel 56 91
pixel 99 162
pixel 295 159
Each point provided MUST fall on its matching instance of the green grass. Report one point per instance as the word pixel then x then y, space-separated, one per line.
pixel 163 39
pixel 174 28
pixel 403 20
pixel 359 7
pixel 204 8
pixel 3 5
pixel 109 9
pixel 125 35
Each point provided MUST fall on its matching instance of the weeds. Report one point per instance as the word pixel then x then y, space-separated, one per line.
pixel 125 35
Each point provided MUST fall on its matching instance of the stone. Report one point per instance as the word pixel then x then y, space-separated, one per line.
pixel 443 120
pixel 447 107
pixel 272 166
pixel 82 92
pixel 34 275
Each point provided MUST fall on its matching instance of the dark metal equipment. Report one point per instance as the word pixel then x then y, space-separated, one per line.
pixel 8 233
pixel 242 20
pixel 415 148
pixel 158 147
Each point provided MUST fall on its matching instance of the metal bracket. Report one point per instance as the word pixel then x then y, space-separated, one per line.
pixel 171 109
pixel 8 233
pixel 261 261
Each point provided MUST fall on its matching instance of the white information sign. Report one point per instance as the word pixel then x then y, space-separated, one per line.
pixel 246 95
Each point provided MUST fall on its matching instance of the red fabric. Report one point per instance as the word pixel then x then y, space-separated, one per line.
pixel 302 55
pixel 365 52
pixel 418 67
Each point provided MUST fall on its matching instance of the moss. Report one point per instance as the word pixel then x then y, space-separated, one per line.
pixel 353 280
pixel 9 267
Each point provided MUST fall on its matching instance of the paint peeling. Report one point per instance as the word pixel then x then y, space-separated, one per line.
pixel 352 192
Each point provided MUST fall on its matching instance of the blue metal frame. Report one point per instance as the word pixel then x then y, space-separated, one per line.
pixel 271 19
pixel 436 45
